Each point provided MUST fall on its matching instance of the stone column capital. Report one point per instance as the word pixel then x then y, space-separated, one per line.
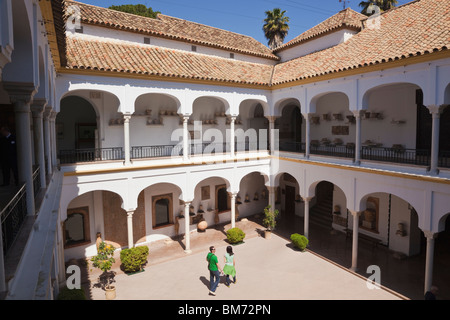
pixel 307 199
pixel 436 110
pixel 271 118
pixel 430 234
pixel 20 93
pixel 355 214
pixel 38 107
pixel 127 117
pixel 358 113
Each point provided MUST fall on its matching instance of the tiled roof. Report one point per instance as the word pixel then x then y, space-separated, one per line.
pixel 173 28
pixel 347 18
pixel 413 29
pixel 116 56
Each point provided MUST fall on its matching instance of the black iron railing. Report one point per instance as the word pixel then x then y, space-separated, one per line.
pixel 341 151
pixel 292 146
pixel 12 217
pixel 397 155
pixel 36 181
pixel 156 151
pixel 90 155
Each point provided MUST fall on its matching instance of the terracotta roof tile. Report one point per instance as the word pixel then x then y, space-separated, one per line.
pixel 122 57
pixel 413 29
pixel 173 28
pixel 348 19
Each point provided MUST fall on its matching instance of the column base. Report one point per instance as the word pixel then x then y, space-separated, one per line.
pixel 354 269
pixel 188 251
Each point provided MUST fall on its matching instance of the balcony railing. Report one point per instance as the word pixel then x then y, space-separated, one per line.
pixel 90 155
pixel 12 217
pixel 155 151
pixel 397 155
pixel 394 155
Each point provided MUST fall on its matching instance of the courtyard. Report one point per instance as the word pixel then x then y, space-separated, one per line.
pixel 266 270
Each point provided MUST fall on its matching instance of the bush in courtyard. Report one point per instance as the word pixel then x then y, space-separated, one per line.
pixel 299 241
pixel 71 294
pixel 235 235
pixel 134 259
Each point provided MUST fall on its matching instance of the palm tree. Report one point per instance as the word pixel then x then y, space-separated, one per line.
pixel 382 4
pixel 276 27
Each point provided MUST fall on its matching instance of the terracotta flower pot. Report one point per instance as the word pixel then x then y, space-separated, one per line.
pixel 110 292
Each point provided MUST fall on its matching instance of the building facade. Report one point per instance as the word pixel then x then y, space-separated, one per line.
pixel 140 125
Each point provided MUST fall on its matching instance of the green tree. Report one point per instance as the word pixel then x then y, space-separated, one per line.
pixel 138 9
pixel 382 4
pixel 276 27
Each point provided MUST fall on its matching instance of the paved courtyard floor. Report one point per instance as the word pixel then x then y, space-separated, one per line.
pixel 266 270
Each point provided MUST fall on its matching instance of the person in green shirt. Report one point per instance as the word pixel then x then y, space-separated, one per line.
pixel 214 270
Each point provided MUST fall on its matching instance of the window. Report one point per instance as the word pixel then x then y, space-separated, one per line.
pixel 76 227
pixel 223 202
pixel 146 40
pixel 194 48
pixel 162 212
pixel 79 30
pixel 231 55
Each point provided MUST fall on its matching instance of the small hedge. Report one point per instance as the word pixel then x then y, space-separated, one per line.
pixel 134 259
pixel 235 235
pixel 71 294
pixel 299 241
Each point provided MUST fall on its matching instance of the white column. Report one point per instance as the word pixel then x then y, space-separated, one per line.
pixel 357 114
pixel 233 209
pixel 126 134
pixel 355 215
pixel 308 135
pixel 21 95
pixel 272 191
pixel 187 235
pixel 53 138
pixel 47 139
pixel 37 109
pixel 429 259
pixel 130 228
pixel 272 133
pixel 185 138
pixel 436 116
pixel 232 149
pixel 306 216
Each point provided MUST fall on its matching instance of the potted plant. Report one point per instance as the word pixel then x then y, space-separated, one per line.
pixel 104 260
pixel 269 221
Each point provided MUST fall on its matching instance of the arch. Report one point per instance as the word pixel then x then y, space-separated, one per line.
pixel 250 105
pixel 443 221
pixel 280 104
pixel 23 66
pixel 85 94
pixel 312 187
pixel 366 94
pixel 167 182
pixel 78 117
pixel 42 91
pixel 315 99
pixel 214 106
pixel 167 101
pixel 447 95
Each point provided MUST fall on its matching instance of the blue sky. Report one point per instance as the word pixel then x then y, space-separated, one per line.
pixel 244 16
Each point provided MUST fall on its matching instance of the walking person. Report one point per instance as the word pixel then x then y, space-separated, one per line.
pixel 230 266
pixel 214 270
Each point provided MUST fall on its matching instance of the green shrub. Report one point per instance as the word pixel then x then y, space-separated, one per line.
pixel 71 294
pixel 134 259
pixel 299 241
pixel 235 235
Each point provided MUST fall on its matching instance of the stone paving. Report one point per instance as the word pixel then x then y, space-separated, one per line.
pixel 266 270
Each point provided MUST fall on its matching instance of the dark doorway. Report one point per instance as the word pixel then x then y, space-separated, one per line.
pixel 290 201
